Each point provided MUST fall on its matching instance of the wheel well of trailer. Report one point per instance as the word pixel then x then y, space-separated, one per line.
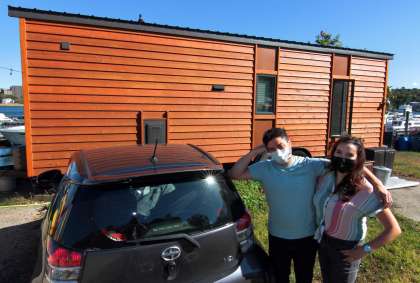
pixel 301 151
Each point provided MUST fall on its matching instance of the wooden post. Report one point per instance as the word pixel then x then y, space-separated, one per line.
pixel 26 99
pixel 327 138
pixel 381 139
pixel 254 97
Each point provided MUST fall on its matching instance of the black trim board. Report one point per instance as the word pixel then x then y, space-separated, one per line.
pixel 186 32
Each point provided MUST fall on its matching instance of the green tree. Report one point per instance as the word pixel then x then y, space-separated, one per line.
pixel 400 96
pixel 327 39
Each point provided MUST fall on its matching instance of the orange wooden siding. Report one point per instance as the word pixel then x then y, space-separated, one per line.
pixel 369 91
pixel 303 91
pixel 90 96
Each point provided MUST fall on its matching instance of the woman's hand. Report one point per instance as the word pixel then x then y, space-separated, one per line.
pixel 354 254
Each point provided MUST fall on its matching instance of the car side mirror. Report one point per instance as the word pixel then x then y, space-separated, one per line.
pixel 49 178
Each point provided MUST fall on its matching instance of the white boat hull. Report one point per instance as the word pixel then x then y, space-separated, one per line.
pixel 15 135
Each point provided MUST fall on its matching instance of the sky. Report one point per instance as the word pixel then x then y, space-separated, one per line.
pixel 378 25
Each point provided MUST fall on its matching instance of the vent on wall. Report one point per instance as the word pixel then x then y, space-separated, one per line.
pixel 64 45
pixel 155 130
pixel 218 88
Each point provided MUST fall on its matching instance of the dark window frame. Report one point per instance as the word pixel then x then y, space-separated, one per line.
pixel 347 123
pixel 274 94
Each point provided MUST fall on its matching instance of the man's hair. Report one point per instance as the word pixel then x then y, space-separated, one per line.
pixel 274 133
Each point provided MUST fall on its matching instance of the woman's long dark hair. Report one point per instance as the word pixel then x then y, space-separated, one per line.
pixel 348 187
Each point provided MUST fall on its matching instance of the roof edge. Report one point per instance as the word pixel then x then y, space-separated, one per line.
pixel 36 14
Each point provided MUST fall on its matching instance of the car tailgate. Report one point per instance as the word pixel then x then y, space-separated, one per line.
pixel 216 256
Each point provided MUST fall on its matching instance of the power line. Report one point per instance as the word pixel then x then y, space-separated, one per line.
pixel 10 69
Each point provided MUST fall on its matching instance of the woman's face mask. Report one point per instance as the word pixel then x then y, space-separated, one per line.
pixel 345 158
pixel 344 165
pixel 281 156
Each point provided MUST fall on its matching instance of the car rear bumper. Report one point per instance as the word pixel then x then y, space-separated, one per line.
pixel 254 267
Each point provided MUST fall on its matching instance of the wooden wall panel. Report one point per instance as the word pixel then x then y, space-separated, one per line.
pixel 370 76
pixel 302 98
pixel 90 96
pixel 267 58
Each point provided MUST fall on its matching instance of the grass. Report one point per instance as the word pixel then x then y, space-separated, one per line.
pixel 396 262
pixel 14 198
pixel 407 163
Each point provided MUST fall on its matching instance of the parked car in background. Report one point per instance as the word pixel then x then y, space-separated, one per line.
pixel 151 214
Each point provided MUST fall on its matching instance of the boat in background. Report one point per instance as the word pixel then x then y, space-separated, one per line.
pixel 15 135
pixel 4 119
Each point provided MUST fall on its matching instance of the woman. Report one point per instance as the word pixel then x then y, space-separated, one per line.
pixel 343 200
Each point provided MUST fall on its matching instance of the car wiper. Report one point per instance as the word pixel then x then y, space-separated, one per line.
pixel 167 238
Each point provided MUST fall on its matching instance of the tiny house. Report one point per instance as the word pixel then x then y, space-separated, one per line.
pixel 96 82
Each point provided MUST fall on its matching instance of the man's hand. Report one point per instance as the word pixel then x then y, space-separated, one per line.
pixel 258 150
pixel 380 189
pixel 385 196
pixel 240 169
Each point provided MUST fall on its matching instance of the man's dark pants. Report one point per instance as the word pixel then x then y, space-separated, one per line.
pixel 301 251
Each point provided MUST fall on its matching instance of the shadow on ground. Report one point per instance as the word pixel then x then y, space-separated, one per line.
pixel 19 246
pixel 27 191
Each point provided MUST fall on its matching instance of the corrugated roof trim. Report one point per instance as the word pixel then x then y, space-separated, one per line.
pixel 185 31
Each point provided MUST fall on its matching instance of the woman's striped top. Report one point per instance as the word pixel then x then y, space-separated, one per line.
pixel 344 220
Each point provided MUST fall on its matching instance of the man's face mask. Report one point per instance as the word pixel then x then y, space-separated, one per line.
pixel 281 156
pixel 344 165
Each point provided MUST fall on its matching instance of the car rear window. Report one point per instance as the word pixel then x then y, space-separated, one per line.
pixel 105 217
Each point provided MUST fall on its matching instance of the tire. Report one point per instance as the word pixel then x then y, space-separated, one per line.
pixel 301 152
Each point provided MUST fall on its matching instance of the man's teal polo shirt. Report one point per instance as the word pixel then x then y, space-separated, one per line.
pixel 289 192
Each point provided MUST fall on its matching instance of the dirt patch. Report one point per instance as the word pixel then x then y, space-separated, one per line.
pixel 19 239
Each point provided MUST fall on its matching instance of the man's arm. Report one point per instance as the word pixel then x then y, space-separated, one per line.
pixel 240 170
pixel 383 193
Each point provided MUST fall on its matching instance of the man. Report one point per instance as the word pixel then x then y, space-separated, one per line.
pixel 289 185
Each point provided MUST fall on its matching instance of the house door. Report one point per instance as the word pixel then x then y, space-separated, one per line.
pixel 340 110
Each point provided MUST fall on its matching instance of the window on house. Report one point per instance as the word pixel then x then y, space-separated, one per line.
pixel 154 130
pixel 265 100
pixel 340 108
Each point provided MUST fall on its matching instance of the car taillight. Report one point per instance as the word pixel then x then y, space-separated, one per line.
pixel 62 263
pixel 244 231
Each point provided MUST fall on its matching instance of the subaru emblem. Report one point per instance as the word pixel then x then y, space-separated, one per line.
pixel 171 253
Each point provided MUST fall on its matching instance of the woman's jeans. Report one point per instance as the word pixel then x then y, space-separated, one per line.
pixel 334 268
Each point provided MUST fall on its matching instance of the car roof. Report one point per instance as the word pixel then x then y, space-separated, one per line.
pixel 110 164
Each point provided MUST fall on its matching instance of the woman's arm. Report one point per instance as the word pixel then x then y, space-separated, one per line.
pixel 240 170
pixel 391 231
pixel 380 189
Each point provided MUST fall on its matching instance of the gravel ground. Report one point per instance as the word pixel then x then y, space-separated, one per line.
pixel 19 238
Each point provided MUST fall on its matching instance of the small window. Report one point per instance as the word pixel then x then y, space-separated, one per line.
pixel 340 108
pixel 155 130
pixel 265 100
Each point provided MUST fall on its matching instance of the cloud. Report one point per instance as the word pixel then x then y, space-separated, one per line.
pixel 415 84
